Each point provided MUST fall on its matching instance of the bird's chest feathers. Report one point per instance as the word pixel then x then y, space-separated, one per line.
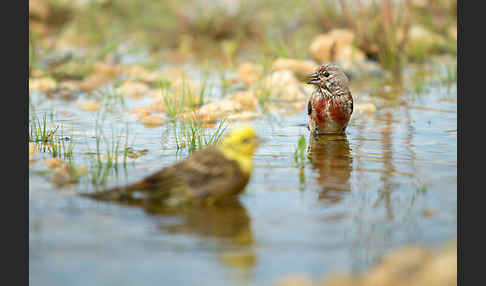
pixel 329 108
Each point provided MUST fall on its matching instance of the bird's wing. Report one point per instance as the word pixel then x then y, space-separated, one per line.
pixel 210 175
pixel 206 174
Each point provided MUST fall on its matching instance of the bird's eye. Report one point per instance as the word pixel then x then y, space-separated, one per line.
pixel 246 140
pixel 326 73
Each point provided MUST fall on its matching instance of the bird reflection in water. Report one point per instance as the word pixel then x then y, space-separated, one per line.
pixel 229 224
pixel 331 157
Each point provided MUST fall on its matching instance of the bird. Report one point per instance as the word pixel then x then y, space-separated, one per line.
pixel 206 177
pixel 330 105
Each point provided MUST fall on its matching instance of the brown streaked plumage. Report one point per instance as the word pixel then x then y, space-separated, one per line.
pixel 331 104
pixel 207 176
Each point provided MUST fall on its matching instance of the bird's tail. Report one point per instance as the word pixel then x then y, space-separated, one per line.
pixel 115 194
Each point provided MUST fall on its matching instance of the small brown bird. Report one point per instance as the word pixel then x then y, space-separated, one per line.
pixel 331 104
pixel 207 176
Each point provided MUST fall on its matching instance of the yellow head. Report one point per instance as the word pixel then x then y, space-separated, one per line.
pixel 240 144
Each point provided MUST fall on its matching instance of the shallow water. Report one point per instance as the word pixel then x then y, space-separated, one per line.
pixel 390 181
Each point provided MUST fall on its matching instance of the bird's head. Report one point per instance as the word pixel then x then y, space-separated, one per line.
pixel 330 79
pixel 240 144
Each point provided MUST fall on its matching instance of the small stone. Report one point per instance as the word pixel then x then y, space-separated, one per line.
pixel 428 212
pixel 247 99
pixel 43 84
pixel 244 116
pixel 38 9
pixel 364 107
pixel 133 89
pixel 340 279
pixel 219 109
pixel 41 29
pixel 155 93
pixel 68 88
pixel 295 280
pixel 54 163
pixel 440 271
pixel 135 72
pixel 141 111
pixel 62 176
pixel 106 69
pixel 152 77
pixel 158 106
pixel 94 81
pixel 397 267
pixel 349 53
pixel 32 150
pixel 88 105
pixel 36 73
pixel 81 171
pixel 249 73
pixel 152 120
pixel 283 85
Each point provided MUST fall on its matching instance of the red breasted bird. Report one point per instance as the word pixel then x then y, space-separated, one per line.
pixel 331 104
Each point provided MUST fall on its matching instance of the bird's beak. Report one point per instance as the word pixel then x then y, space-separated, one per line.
pixel 313 78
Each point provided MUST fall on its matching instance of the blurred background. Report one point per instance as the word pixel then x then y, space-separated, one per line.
pixel 389 32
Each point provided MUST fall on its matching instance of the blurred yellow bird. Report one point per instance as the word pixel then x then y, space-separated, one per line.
pixel 206 177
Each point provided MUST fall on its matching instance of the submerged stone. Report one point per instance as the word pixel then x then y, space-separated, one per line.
pixel 133 89
pixel 249 73
pixel 88 105
pixel 44 84
pixel 152 120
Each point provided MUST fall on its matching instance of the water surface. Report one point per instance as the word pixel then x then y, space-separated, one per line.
pixel 390 181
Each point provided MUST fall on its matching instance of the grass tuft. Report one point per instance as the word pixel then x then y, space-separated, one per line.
pixel 192 135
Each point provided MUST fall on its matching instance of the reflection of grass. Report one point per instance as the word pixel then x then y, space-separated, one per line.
pixel 450 75
pixel 191 135
pixel 299 153
pixel 418 85
pixel 263 94
pixel 224 82
pixel 107 161
pixel 111 100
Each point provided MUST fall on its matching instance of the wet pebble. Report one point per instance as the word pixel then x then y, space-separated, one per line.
pixel 247 99
pixel 364 107
pixel 44 84
pixel 141 111
pixel 133 89
pixel 283 85
pixel 152 120
pixel 249 73
pixel 295 280
pixel 94 81
pixel 88 105
pixel 219 110
pixel 244 116
pixel 53 163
